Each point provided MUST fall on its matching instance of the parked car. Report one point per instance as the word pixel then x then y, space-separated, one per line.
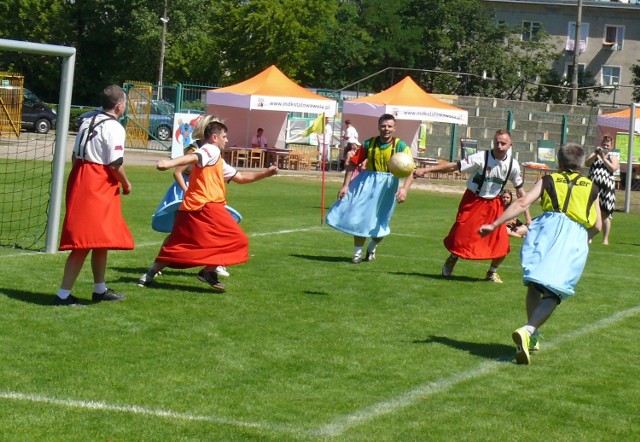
pixel 160 118
pixel 37 116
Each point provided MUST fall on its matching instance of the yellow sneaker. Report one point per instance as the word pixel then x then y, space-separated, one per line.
pixel 493 277
pixel 522 341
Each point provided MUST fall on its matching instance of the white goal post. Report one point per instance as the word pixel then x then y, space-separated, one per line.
pixel 68 55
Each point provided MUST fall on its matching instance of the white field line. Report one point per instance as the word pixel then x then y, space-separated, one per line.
pixel 134 409
pixel 342 423
pixel 360 417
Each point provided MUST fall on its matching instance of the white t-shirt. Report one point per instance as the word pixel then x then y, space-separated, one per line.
pixel 328 133
pixel 261 141
pixel 350 135
pixel 495 173
pixel 105 144
pixel 209 154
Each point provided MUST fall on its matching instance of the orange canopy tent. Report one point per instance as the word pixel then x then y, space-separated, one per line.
pixel 616 122
pixel 409 103
pixel 264 101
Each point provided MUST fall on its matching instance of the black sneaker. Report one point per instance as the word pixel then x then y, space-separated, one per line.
pixel 212 279
pixel 70 301
pixel 108 295
pixel 371 256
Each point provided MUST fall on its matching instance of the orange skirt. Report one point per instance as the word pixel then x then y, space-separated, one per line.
pixel 206 237
pixel 93 218
pixel 465 241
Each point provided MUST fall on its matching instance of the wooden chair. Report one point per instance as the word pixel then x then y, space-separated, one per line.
pixel 242 158
pixel 256 157
pixel 293 162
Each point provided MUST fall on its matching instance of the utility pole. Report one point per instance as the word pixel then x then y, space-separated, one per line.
pixel 164 19
pixel 576 55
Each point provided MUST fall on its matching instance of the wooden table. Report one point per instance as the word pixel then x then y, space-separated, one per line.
pixel 277 157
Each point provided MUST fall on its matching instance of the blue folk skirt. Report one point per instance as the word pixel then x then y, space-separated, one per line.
pixel 554 253
pixel 367 207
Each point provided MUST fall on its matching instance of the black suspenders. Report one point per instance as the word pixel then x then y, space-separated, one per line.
pixel 483 177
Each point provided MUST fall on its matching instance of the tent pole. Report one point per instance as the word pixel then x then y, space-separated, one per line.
pixel 629 181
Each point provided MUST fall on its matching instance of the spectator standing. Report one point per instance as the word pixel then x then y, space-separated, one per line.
pixel 93 220
pixel 324 143
pixel 602 167
pixel 349 138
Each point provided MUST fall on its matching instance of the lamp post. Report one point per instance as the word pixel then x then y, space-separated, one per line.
pixel 164 19
pixel 576 54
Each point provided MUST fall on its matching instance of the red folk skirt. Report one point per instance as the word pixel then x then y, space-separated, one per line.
pixel 93 218
pixel 206 237
pixel 465 241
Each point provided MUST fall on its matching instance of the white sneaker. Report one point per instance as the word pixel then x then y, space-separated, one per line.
pixel 222 271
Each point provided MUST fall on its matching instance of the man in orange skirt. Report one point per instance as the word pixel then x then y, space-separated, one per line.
pixel 489 171
pixel 204 232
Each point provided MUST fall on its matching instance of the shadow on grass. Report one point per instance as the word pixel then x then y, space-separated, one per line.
pixel 33 297
pixel 126 285
pixel 322 258
pixel 438 276
pixel 489 351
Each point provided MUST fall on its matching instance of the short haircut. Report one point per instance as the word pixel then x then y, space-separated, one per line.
pixel 502 132
pixel 260 129
pixel 606 138
pixel 386 117
pixel 571 157
pixel 111 96
pixel 214 127
pixel 203 122
pixel 347 121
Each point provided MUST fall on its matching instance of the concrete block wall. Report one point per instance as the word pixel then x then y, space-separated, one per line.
pixel 531 122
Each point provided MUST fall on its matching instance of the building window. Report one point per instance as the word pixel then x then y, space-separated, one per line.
pixel 530 30
pixel 568 70
pixel 613 37
pixel 571 35
pixel 610 75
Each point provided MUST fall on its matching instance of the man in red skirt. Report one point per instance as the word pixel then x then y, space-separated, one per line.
pixel 204 232
pixel 93 221
pixel 489 171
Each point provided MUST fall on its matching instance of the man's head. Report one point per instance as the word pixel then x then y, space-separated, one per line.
pixel 260 131
pixel 347 123
pixel 571 157
pixel 114 100
pixel 501 144
pixel 386 127
pixel 216 133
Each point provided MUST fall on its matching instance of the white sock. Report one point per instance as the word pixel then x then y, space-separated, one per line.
pixel 372 246
pixel 530 328
pixel 63 294
pixel 99 287
pixel 357 251
pixel 492 269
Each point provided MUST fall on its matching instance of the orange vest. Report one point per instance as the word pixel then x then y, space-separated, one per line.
pixel 206 185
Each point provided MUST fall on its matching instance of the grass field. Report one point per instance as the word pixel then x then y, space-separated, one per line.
pixel 306 346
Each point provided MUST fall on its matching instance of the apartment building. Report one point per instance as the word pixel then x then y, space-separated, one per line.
pixel 609 42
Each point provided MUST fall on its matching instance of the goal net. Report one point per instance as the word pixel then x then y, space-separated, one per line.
pixel 31 164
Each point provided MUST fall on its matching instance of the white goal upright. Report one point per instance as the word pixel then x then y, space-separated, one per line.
pixel 55 190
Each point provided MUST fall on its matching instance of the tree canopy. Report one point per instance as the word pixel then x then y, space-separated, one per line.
pixel 448 46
